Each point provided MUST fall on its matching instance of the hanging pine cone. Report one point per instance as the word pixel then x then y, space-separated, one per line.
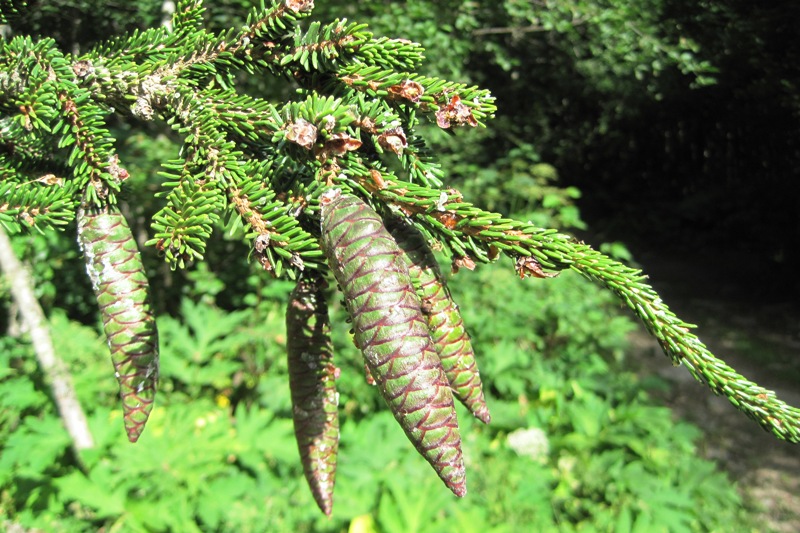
pixel 122 291
pixel 450 337
pixel 391 331
pixel 312 381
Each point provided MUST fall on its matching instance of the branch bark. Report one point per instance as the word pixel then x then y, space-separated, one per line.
pixel 54 368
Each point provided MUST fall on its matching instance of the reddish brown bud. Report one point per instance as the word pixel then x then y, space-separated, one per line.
pixel 302 132
pixel 407 90
pixel 455 113
pixel 393 140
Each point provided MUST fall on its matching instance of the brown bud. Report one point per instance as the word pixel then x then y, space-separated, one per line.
pixel 455 113
pixel 302 132
pixel 299 6
pixel 393 140
pixel 83 68
pixel 408 90
pixel 529 266
pixel 339 144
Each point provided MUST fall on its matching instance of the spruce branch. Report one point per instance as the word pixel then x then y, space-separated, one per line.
pixel 53 106
pixel 397 54
pixel 268 24
pixel 188 16
pixel 452 103
pixel 273 229
pixel 319 48
pixel 183 226
pixel 272 170
pixel 39 203
pixel 477 234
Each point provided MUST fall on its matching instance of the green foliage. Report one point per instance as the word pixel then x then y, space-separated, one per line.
pixel 562 69
pixel 264 166
pixel 682 116
pixel 574 442
pixel 613 456
pixel 519 184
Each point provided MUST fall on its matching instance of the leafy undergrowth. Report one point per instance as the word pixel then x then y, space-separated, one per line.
pixel 574 443
pixel 757 334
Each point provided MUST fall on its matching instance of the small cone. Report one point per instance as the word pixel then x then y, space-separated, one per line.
pixel 312 381
pixel 123 296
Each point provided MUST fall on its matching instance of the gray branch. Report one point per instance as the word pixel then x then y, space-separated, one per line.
pixel 55 370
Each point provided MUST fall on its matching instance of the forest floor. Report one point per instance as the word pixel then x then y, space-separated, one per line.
pixel 759 336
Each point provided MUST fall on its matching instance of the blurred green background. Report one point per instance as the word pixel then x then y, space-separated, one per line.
pixel 667 125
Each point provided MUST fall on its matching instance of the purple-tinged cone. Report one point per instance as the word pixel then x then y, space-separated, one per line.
pixel 391 331
pixel 312 381
pixel 450 337
pixel 123 296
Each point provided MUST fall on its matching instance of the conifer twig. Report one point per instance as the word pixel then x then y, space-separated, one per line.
pixel 480 235
pixel 268 164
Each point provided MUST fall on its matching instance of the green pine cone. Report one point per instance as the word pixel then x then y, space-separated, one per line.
pixel 391 331
pixel 450 338
pixel 312 381
pixel 122 291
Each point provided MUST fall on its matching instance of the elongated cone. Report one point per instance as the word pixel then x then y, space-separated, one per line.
pixel 391 331
pixel 120 285
pixel 312 381
pixel 450 337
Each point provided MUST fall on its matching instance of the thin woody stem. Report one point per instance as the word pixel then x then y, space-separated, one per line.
pixel 54 368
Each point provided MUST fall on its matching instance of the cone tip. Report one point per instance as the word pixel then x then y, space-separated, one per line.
pixel 459 490
pixel 133 433
pixel 325 505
